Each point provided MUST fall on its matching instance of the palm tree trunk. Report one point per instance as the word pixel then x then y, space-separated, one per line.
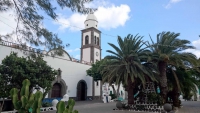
pixel 130 92
pixel 163 80
pixel 175 96
pixel 118 90
pixel 101 90
pixel 2 104
pixel 114 90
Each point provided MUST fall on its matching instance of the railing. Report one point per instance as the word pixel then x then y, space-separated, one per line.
pixel 34 50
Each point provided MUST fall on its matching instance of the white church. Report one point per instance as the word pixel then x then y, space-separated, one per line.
pixel 73 80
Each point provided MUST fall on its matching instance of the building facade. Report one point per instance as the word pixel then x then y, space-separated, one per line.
pixel 73 79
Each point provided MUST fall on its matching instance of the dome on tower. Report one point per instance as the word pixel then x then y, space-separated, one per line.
pixel 91 21
pixel 91 17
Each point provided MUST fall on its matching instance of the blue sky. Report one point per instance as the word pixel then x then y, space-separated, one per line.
pixel 123 17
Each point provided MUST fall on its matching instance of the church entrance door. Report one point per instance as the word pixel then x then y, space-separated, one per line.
pixel 56 90
pixel 81 90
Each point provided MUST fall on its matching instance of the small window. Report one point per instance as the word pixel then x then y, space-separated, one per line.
pixel 96 25
pixel 111 92
pixel 87 24
pixel 95 40
pixel 97 83
pixel 86 39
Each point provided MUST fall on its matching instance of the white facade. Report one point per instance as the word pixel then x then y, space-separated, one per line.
pixel 73 71
pixel 97 88
pixel 86 54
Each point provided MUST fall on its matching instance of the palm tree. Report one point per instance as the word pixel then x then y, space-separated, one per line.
pixel 168 50
pixel 188 80
pixel 125 66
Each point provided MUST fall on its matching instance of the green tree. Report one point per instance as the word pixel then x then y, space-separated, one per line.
pixel 4 87
pixel 168 50
pixel 189 80
pixel 125 64
pixel 95 72
pixel 29 17
pixel 20 68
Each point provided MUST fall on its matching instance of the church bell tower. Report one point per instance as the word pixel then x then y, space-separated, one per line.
pixel 91 40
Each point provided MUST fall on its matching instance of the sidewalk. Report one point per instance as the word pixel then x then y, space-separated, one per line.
pixel 190 107
pixel 99 107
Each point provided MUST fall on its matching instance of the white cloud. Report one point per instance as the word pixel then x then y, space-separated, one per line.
pixel 113 17
pixel 196 43
pixel 172 2
pixel 108 15
pixel 175 1
pixel 196 51
pixel 72 50
pixel 7 23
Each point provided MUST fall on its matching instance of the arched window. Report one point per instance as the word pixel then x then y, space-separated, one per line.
pixel 97 40
pixel 86 39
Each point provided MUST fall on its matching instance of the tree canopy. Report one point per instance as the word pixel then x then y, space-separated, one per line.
pixel 169 50
pixel 94 71
pixel 29 19
pixel 125 64
pixel 14 70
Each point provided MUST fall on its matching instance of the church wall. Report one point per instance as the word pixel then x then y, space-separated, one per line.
pixel 64 56
pixel 86 54
pixel 72 72
pixel 85 34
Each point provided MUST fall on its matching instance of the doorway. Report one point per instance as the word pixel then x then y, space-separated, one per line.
pixel 81 90
pixel 56 90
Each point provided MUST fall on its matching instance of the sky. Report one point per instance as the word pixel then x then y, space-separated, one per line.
pixel 123 17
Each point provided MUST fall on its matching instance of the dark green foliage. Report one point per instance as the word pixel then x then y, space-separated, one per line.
pixel 29 19
pixel 125 64
pixel 188 80
pixel 169 50
pixel 26 100
pixel 4 86
pixel 188 96
pixel 94 71
pixel 61 107
pixel 15 69
pixel 152 97
pixel 113 96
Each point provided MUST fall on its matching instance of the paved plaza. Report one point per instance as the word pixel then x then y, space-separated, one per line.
pixel 99 107
pixel 190 107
